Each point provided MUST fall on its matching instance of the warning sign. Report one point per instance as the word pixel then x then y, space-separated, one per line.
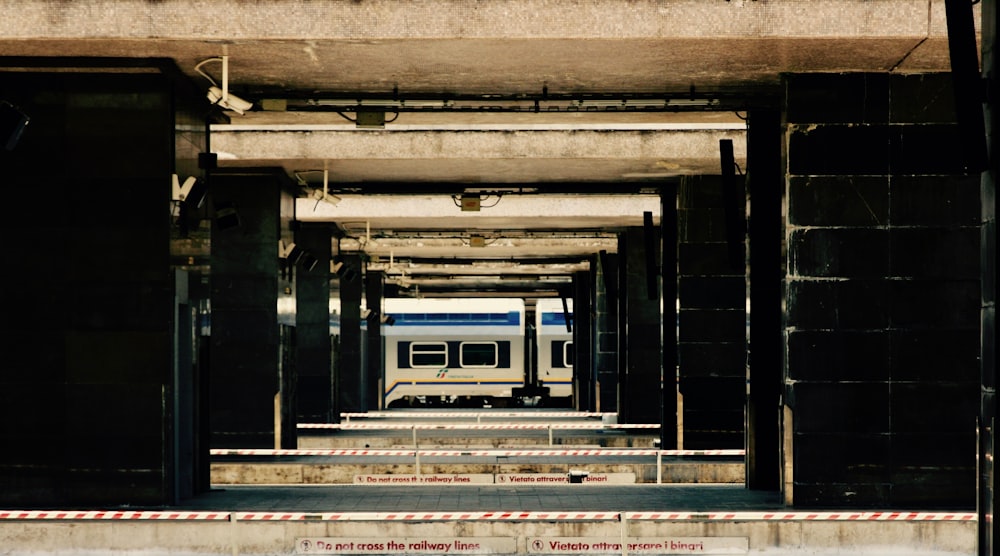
pixel 638 545
pixel 561 478
pixel 432 479
pixel 406 545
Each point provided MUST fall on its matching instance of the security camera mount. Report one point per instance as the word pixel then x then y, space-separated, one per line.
pixel 221 95
pixel 181 192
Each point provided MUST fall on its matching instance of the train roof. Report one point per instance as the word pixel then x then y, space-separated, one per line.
pixel 552 304
pixel 452 305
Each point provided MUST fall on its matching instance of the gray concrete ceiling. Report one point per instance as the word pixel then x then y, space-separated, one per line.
pixel 303 55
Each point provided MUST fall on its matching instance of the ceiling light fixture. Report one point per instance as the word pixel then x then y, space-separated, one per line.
pixel 221 95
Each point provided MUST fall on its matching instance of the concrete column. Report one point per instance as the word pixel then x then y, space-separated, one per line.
pixel 639 355
pixel 712 329
pixel 883 294
pixel 374 290
pixel 583 368
pixel 987 499
pixel 668 276
pixel 765 185
pixel 313 363
pixel 606 332
pixel 87 378
pixel 244 290
pixel 348 374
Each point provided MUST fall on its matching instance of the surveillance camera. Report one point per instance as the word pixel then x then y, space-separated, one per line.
pixel 231 102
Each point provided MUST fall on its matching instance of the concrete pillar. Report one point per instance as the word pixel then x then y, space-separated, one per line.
pixel 374 291
pixel 86 384
pixel 639 319
pixel 314 387
pixel 668 276
pixel 606 333
pixel 583 329
pixel 987 499
pixel 765 185
pixel 712 329
pixel 348 374
pixel 883 294
pixel 244 286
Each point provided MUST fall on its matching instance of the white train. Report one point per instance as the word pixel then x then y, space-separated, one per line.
pixel 474 353
pixel 554 340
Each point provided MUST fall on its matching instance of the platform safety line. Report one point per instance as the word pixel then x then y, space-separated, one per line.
pixel 428 516
pixel 475 426
pixel 313 452
pixel 56 515
pixel 543 452
pixel 800 516
pixel 477 414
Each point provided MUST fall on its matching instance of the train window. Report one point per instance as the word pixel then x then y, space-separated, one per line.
pixel 568 354
pixel 478 354
pixel 428 354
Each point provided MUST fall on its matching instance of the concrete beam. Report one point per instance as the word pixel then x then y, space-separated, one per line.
pixel 385 214
pixel 694 144
pixel 233 20
pixel 475 155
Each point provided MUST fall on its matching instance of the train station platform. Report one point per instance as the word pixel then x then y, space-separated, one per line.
pixel 502 517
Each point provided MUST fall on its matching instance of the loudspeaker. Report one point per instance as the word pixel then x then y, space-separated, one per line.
pixel 12 124
pixel 307 261
pixel 226 216
pixel 343 271
pixel 967 83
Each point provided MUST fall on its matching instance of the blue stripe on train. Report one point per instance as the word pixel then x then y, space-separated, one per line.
pixel 456 319
pixel 555 319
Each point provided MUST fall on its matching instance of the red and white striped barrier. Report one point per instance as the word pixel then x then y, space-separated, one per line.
pixel 103 515
pixel 474 426
pixel 539 452
pixel 605 516
pixel 113 515
pixel 801 516
pixel 429 516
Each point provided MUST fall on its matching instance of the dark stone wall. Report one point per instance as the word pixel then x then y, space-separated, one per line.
pixel 583 344
pixel 669 433
pixel 89 312
pixel 373 372
pixel 244 289
pixel 987 523
pixel 883 290
pixel 606 333
pixel 349 372
pixel 313 364
pixel 639 316
pixel 712 320
pixel 765 186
